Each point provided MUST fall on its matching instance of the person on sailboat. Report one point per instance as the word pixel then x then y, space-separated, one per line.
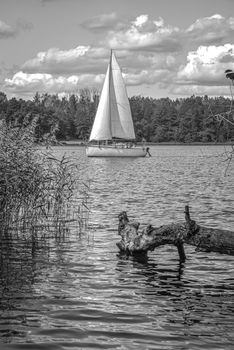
pixel 148 152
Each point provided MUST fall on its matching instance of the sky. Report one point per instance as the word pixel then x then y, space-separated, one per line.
pixel 166 48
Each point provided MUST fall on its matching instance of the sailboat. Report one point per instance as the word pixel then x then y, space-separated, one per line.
pixel 113 134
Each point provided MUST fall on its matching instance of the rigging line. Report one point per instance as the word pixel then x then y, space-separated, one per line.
pixel 119 104
pixel 109 83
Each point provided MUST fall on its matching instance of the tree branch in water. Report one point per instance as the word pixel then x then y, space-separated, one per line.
pixel 133 242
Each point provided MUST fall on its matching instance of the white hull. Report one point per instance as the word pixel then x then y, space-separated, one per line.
pixel 112 151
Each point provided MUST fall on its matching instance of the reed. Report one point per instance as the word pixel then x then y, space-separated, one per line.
pixel 40 196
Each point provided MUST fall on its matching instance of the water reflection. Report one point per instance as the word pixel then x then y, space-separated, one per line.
pixel 194 310
pixel 18 273
pixel 156 277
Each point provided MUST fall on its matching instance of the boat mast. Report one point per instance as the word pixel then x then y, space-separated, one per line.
pixel 110 75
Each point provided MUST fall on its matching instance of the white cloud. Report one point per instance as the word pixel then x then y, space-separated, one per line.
pixel 147 77
pixel 143 33
pixel 77 60
pixel 141 20
pixel 47 60
pixel 212 30
pixel 207 65
pixel 23 82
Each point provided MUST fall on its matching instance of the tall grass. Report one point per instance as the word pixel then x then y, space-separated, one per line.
pixel 39 194
pixel 42 200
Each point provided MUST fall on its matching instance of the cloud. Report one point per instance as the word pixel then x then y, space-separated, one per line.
pixel 146 34
pixel 87 62
pixel 212 30
pixel 77 60
pixel 140 33
pixel 6 31
pixel 206 65
pixel 199 90
pixel 150 52
pixel 147 77
pixel 101 23
pixel 143 33
pixel 87 59
pixel 23 82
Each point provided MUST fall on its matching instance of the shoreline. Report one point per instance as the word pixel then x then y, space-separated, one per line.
pixel 83 144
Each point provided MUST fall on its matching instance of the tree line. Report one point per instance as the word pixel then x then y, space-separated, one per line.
pixel 183 120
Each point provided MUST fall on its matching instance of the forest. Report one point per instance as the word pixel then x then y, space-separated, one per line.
pixel 183 120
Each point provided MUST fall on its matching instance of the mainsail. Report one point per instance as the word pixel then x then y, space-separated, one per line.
pixel 113 118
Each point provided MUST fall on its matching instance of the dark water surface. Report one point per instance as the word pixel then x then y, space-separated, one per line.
pixel 80 294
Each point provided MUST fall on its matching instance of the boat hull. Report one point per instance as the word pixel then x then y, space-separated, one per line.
pixel 111 151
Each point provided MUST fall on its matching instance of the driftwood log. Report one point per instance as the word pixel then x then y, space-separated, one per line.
pixel 136 243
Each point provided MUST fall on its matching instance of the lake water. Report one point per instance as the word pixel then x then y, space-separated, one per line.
pixel 80 294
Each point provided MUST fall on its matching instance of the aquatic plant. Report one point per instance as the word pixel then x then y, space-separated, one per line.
pixel 39 194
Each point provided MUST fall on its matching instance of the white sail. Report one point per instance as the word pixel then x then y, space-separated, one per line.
pixel 113 118
pixel 101 129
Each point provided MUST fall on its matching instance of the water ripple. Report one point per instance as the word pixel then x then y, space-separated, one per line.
pixel 84 295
